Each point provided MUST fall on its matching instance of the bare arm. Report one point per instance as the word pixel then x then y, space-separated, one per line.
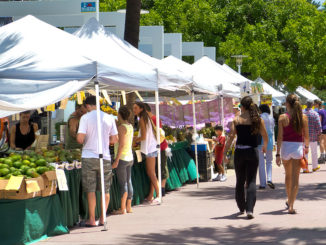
pixel 114 139
pixel 143 131
pixel 263 133
pixel 12 137
pixel 231 137
pixel 72 124
pixel 80 138
pixel 122 139
pixel 280 134
pixel 306 132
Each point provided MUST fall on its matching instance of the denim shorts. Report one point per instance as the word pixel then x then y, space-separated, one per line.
pixel 152 154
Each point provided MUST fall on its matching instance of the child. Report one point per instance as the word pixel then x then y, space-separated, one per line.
pixel 219 152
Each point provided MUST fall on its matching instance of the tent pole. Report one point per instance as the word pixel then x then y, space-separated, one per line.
pixel 222 118
pixel 98 10
pixel 195 134
pixel 100 148
pixel 158 146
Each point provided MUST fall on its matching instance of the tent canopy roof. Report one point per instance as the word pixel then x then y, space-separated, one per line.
pixel 39 65
pixel 306 94
pixel 209 74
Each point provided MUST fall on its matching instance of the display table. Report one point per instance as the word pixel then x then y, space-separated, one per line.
pixel 27 221
pixel 181 166
pixel 31 220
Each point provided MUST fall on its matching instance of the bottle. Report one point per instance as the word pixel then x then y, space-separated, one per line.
pixel 54 139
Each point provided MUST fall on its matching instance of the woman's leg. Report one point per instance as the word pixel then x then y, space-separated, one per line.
pixel 251 175
pixel 288 177
pixel 122 179
pixel 294 188
pixel 130 188
pixel 150 169
pixel 262 169
pixel 240 173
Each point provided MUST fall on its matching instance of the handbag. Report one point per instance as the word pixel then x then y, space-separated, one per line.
pixel 162 133
pixel 304 162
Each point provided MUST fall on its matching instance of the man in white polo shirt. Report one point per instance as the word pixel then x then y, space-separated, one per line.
pixel 88 136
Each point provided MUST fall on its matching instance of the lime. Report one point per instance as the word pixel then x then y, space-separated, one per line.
pixel 17 164
pixel 2 159
pixel 24 168
pixel 4 171
pixel 8 161
pixel 41 162
pixel 26 162
pixel 33 165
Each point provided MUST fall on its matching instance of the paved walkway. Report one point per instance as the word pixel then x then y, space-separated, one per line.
pixel 208 216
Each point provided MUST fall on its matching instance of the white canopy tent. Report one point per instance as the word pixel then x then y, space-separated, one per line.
pixel 239 78
pixel 307 95
pixel 205 79
pixel 277 96
pixel 39 65
pixel 212 75
pixel 112 52
pixel 48 65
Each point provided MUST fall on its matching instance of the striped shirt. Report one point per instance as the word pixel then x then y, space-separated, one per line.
pixel 314 124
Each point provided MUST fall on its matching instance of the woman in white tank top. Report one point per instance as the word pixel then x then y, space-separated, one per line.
pixel 148 144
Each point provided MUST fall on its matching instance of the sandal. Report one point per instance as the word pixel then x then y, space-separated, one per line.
pixel 292 211
pixel 118 212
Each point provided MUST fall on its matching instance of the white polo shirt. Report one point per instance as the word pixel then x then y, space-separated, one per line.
pixel 88 126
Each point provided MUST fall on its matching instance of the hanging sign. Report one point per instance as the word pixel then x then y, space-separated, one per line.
pixel 123 94
pixel 139 96
pixel 63 104
pixel 87 7
pixel 266 99
pixel 106 96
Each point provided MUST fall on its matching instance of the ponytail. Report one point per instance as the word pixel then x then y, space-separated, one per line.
pixel 255 118
pixel 253 110
pixel 296 113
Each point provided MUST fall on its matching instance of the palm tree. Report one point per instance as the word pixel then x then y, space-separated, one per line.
pixel 131 35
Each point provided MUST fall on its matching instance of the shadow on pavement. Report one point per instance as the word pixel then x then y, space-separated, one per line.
pixel 306 192
pixel 253 234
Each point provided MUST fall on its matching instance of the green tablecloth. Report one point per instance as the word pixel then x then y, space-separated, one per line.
pixel 181 166
pixel 28 221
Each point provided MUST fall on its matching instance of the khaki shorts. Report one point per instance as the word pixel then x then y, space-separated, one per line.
pixel 91 175
pixel 164 166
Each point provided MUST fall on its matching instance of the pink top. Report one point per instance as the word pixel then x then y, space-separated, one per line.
pixel 290 135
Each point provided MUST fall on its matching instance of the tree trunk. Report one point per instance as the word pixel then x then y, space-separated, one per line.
pixel 131 35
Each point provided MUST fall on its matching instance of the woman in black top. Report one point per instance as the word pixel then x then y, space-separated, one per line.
pixel 22 135
pixel 249 128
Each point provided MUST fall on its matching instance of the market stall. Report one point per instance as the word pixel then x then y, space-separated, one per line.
pixel 47 81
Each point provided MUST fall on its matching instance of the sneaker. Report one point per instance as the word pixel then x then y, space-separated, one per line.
pixel 250 215
pixel 261 187
pixel 270 184
pixel 321 160
pixel 305 171
pixel 223 178
pixel 316 169
pixel 218 178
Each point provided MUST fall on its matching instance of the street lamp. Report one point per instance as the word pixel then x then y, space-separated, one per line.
pixel 239 59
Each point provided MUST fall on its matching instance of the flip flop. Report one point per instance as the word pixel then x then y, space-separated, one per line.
pixel 100 224
pixel 287 205
pixel 293 211
pixel 89 225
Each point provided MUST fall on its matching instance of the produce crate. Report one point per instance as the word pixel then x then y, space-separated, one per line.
pixel 23 188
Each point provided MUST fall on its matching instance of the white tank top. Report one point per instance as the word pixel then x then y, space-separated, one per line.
pixel 149 145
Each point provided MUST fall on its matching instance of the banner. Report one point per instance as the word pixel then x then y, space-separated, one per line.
pixel 266 99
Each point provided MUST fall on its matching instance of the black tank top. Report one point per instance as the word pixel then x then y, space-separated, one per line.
pixel 245 137
pixel 24 141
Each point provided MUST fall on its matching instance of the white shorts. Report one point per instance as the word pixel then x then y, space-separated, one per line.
pixel 291 150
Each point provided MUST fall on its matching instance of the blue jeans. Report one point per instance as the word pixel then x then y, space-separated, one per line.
pixel 265 166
